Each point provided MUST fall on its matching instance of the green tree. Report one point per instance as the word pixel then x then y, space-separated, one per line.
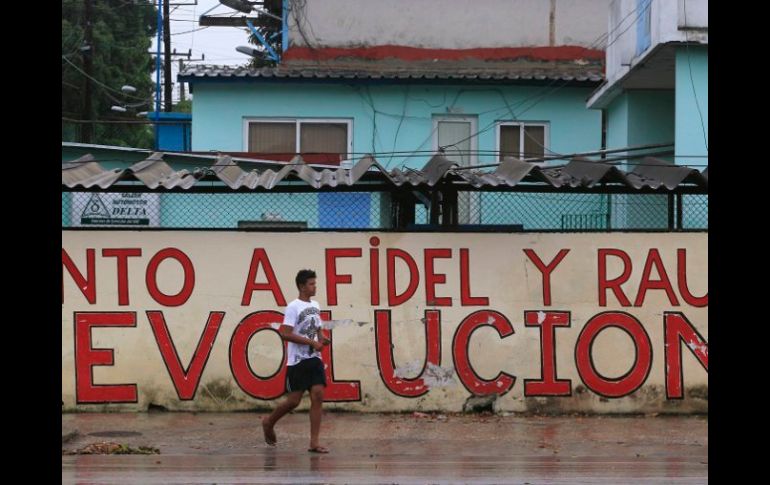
pixel 267 27
pixel 183 106
pixel 122 31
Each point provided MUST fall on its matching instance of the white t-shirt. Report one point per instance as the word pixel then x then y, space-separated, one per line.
pixel 305 317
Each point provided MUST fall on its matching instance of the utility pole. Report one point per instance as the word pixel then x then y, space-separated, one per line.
pixel 181 84
pixel 181 68
pixel 87 132
pixel 167 84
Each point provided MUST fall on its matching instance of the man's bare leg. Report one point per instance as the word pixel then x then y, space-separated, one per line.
pixel 292 401
pixel 316 399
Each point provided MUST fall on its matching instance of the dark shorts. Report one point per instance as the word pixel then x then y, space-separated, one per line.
pixel 304 375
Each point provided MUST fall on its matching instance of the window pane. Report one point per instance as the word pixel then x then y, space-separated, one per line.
pixel 272 139
pixel 452 132
pixel 457 134
pixel 534 141
pixel 329 141
pixel 509 141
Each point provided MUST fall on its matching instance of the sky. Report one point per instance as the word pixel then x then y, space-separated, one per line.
pixel 217 44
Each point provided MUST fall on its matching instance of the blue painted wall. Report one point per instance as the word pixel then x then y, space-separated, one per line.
pixel 641 117
pixel 175 131
pixel 692 118
pixel 219 111
pixel 399 118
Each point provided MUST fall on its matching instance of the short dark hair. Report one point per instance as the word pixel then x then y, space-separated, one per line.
pixel 303 276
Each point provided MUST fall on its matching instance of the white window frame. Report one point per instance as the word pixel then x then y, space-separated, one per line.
pixel 521 125
pixel 473 120
pixel 296 121
pixel 473 198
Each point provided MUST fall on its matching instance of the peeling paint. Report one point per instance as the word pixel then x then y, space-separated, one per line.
pixel 695 347
pixel 540 317
pixel 330 324
pixel 432 376
pixel 409 370
pixel 437 376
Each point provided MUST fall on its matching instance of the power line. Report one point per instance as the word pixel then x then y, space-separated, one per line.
pixel 99 82
pixel 692 82
pixel 642 12
pixel 191 31
pixel 111 97
pixel 423 153
pixel 370 102
pixel 299 18
pixel 127 3
pixel 400 122
pixel 427 139
pixel 119 121
pixel 282 164
pixel 87 133
pixel 592 45
pixel 79 42
pixel 192 41
pixel 484 152
pixel 493 123
pixel 609 32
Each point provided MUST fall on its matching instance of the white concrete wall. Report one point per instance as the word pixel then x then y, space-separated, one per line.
pixel 447 24
pixel 139 347
pixel 667 25
pixel 621 39
pixel 693 14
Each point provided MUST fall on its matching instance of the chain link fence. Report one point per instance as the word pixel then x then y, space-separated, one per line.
pixel 372 211
pixel 579 212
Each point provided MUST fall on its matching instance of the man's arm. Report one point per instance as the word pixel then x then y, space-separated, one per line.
pixel 286 334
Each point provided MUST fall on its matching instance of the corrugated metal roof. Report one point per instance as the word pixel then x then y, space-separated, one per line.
pixel 200 158
pixel 471 69
pixel 86 172
pixel 155 173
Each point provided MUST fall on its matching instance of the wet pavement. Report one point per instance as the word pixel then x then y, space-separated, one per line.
pixel 390 448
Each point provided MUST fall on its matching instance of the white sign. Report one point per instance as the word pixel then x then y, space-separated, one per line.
pixel 115 209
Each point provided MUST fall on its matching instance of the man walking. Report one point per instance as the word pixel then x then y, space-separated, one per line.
pixel 305 369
